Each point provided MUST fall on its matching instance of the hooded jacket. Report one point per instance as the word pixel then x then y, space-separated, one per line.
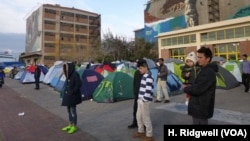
pixel 202 93
pixel 72 94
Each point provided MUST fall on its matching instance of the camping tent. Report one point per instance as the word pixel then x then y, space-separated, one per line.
pixel 60 83
pixel 28 75
pixel 115 87
pixel 104 69
pixel 225 79
pixel 176 69
pixel 56 68
pixel 151 63
pixel 233 67
pixel 56 78
pixel 126 68
pixel 90 81
pixel 19 74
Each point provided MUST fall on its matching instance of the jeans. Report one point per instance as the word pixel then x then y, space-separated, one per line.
pixel 72 114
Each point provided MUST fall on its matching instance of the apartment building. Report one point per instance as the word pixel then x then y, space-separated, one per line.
pixel 57 33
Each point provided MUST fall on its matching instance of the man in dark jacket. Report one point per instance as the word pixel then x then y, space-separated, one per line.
pixel 202 90
pixel 37 76
pixel 136 84
pixel 162 82
pixel 72 95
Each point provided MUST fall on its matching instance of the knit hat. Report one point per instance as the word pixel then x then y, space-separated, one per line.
pixel 192 56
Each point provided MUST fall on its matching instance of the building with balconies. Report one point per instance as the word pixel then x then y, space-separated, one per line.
pixel 57 33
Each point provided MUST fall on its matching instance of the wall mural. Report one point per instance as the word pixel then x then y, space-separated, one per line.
pixel 168 18
pixel 244 11
pixel 33 38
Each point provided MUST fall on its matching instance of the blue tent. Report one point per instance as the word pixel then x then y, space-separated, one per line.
pixel 90 81
pixel 56 79
pixel 43 69
pixel 174 84
pixel 60 83
pixel 154 73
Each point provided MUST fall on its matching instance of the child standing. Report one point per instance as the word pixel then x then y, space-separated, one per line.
pixel 190 71
pixel 145 98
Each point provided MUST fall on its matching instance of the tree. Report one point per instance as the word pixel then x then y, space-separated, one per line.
pixel 121 48
pixel 143 49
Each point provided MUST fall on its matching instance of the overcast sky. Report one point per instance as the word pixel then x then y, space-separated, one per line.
pixel 120 16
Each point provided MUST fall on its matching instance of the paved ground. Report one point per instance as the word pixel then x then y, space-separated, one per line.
pixel 44 117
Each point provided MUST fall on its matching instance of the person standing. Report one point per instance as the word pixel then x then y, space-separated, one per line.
pixel 13 73
pixel 136 84
pixel 245 69
pixel 162 82
pixel 72 96
pixel 2 76
pixel 202 90
pixel 145 98
pixel 37 74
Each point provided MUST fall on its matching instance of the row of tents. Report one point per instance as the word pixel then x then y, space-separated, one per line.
pixel 111 83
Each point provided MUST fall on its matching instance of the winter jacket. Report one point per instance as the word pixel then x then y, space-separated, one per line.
pixel 163 70
pixel 72 94
pixel 37 73
pixel 137 82
pixel 202 93
pixel 193 73
pixel 2 74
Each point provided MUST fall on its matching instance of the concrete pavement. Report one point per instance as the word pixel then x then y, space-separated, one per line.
pixel 109 121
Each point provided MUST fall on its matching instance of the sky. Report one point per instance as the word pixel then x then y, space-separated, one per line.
pixel 121 17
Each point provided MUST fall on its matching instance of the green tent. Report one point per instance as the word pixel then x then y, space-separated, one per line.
pixel 225 79
pixel 115 87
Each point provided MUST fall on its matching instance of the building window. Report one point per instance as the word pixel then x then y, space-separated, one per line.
pixel 239 32
pixel 220 35
pixel 211 36
pixel 186 39
pixel 229 33
pixel 169 41
pixel 174 41
pixel 178 53
pixel 193 38
pixel 204 37
pixel 247 31
pixel 49 57
pixel 229 51
pixel 179 40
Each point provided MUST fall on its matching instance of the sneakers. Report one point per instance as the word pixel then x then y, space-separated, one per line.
pixel 70 129
pixel 139 135
pixel 146 138
pixel 66 128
